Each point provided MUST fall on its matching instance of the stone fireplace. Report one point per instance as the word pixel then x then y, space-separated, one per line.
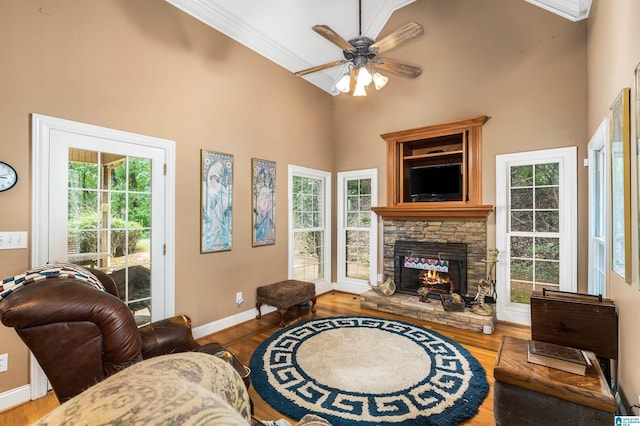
pixel 420 237
pixel 431 236
pixel 461 243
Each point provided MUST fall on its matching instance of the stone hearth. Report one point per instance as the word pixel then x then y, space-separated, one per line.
pixel 409 306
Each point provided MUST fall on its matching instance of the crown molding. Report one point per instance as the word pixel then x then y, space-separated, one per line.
pixel 283 33
pixel 573 10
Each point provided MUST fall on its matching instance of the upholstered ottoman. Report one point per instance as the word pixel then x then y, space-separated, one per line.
pixel 285 294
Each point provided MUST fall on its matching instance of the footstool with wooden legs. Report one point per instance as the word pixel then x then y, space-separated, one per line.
pixel 285 294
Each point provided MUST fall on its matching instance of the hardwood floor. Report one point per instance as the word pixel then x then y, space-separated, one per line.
pixel 244 338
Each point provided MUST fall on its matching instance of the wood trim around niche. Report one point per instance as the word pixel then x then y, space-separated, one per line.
pixel 471 208
pixel 435 213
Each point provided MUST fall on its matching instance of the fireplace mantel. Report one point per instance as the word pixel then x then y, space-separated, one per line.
pixel 438 212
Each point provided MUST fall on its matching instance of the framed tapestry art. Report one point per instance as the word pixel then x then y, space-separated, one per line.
pixel 263 202
pixel 216 201
pixel 621 185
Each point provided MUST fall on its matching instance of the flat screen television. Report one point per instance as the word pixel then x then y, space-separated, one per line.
pixel 436 183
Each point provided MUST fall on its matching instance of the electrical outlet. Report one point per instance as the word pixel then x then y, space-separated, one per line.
pixel 239 300
pixel 379 278
pixel 4 362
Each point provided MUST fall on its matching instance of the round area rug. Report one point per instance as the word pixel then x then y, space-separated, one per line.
pixel 368 371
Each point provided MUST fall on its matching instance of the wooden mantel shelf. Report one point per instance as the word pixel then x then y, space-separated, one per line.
pixel 421 212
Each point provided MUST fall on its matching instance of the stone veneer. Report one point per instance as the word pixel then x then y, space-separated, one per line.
pixel 473 233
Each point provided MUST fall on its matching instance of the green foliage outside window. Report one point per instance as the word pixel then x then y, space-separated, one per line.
pixel 534 209
pixel 85 228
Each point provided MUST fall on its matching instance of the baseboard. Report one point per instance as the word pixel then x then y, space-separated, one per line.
pixel 14 397
pixel 351 288
pixel 230 321
pixel 623 404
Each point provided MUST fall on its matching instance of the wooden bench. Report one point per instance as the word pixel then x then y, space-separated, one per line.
pixel 285 294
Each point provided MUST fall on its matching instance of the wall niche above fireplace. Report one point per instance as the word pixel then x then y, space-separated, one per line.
pixel 435 172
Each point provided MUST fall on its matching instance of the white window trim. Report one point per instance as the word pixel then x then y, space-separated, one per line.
pixel 599 142
pixel 352 285
pixel 323 285
pixel 520 313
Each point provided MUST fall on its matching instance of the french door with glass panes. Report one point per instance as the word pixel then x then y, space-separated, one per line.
pixel 536 221
pixel 102 199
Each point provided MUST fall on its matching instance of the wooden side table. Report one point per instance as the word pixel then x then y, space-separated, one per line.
pixel 531 394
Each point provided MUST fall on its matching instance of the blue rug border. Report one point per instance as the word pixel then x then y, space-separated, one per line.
pixel 463 409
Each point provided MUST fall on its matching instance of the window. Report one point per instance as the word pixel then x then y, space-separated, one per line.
pixel 109 222
pixel 536 227
pixel 309 224
pixel 357 193
pixel 598 218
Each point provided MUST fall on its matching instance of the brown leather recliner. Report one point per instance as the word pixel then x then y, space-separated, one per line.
pixel 81 335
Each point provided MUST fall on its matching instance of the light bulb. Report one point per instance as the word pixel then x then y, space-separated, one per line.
pixel 379 80
pixel 364 77
pixel 344 83
pixel 359 90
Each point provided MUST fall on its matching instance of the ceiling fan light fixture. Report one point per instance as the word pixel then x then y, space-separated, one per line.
pixel 379 80
pixel 343 84
pixel 361 56
pixel 360 91
pixel 364 77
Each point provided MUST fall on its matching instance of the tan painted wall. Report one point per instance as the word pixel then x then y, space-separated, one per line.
pixel 521 65
pixel 614 53
pixel 145 67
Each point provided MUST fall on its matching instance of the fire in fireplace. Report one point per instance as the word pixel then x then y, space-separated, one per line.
pixel 439 267
pixel 436 282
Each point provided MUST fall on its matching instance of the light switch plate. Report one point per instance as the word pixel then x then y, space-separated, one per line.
pixel 13 240
pixel 4 362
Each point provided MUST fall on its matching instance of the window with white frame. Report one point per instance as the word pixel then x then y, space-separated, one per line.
pixel 598 218
pixel 309 224
pixel 357 193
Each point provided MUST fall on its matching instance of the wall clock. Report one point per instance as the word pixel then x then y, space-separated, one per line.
pixel 8 177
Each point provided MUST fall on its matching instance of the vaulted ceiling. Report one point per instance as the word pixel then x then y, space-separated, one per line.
pixel 280 30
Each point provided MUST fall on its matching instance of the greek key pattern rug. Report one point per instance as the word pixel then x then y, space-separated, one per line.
pixel 368 371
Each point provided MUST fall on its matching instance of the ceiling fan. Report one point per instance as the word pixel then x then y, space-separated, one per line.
pixel 361 53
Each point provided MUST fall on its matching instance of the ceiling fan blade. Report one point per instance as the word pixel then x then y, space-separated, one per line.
pixel 401 68
pixel 352 81
pixel 320 67
pixel 399 36
pixel 332 36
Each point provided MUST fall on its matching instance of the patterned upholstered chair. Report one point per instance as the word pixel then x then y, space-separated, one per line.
pixel 186 388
